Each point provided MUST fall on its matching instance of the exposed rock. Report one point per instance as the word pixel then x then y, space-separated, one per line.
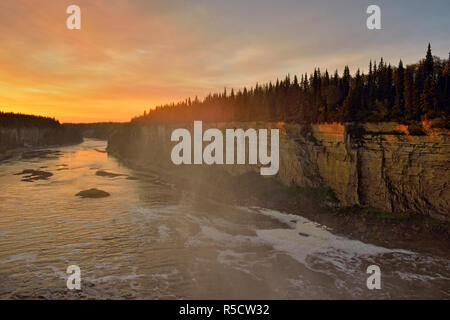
pixel 303 234
pixel 382 166
pixel 102 173
pixel 41 154
pixel 30 175
pixel 26 137
pixel 93 193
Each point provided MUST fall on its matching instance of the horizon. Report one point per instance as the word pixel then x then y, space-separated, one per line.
pixel 201 99
pixel 163 53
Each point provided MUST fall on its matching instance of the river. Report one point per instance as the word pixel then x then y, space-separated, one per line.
pixel 151 239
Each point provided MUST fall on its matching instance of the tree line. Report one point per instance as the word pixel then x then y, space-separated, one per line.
pixel 18 120
pixel 387 93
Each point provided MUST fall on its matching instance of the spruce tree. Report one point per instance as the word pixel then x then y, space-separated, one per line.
pixel 399 104
pixel 428 68
pixel 428 99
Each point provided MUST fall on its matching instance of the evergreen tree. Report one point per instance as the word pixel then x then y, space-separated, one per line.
pixel 399 104
pixel 428 99
pixel 417 92
pixel 428 64
pixel 384 94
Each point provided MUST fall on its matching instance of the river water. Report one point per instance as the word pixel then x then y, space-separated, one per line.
pixel 151 239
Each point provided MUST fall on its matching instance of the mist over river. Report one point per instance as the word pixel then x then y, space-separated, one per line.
pixel 153 239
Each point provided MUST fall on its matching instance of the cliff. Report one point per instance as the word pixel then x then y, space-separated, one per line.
pixel 101 130
pixel 12 139
pixel 380 165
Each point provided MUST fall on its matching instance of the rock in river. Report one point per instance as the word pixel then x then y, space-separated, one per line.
pixel 101 173
pixel 30 175
pixel 93 193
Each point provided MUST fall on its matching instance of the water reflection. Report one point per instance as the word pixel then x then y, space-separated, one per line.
pixel 153 239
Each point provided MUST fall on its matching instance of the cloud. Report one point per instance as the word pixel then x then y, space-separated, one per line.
pixel 144 52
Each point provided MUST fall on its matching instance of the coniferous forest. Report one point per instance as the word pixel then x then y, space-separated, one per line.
pixel 386 93
pixel 18 120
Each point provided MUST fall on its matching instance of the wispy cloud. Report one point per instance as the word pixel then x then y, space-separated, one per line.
pixel 131 55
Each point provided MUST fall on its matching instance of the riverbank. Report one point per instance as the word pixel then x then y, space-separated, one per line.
pixel 31 151
pixel 15 142
pixel 378 165
pixel 404 230
pixel 332 174
pixel 186 234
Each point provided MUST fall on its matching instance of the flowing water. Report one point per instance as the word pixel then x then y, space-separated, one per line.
pixel 152 239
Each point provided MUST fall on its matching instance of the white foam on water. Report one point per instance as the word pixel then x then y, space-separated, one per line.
pixel 417 277
pixel 28 257
pixel 240 261
pixel 115 278
pixel 163 233
pixel 58 273
pixel 304 239
pixel 209 234
pixel 157 212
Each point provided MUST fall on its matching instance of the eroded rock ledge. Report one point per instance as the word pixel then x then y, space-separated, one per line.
pixel 16 139
pixel 380 165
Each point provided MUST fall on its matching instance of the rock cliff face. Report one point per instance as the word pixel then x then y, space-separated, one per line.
pixel 380 165
pixel 14 138
pixel 101 130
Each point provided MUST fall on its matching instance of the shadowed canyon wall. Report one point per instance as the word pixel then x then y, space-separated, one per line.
pixel 25 137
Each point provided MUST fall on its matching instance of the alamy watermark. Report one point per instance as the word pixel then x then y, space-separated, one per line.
pixel 73 22
pixel 373 22
pixel 74 279
pixel 235 147
pixel 374 280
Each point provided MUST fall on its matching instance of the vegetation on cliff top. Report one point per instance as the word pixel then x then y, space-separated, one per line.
pixel 50 132
pixel 18 120
pixel 403 94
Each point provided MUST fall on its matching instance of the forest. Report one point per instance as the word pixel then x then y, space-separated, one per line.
pixel 18 120
pixel 404 94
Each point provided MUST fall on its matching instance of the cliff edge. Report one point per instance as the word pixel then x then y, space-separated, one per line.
pixel 380 165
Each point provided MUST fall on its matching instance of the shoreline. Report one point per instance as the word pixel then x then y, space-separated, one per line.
pixel 409 231
pixel 412 232
pixel 15 153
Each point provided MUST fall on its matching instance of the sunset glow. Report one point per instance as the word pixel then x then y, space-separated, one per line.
pixel 130 56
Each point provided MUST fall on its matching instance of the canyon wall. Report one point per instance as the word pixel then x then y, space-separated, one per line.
pixel 12 139
pixel 380 165
pixel 100 130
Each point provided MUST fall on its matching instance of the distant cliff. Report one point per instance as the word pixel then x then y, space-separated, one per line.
pixel 13 138
pixel 100 130
pixel 381 165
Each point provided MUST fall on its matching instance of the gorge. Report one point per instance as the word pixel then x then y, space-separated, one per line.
pixel 381 165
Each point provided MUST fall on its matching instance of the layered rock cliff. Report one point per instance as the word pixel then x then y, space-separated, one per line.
pixel 380 165
pixel 100 130
pixel 16 138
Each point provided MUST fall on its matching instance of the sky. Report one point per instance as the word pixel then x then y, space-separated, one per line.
pixel 130 56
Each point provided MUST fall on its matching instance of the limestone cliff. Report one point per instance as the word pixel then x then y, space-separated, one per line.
pixel 16 138
pixel 380 165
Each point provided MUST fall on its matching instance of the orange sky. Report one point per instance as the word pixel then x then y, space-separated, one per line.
pixel 105 71
pixel 132 55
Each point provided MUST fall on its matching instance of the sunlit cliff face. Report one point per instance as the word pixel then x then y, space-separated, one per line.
pixel 132 55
